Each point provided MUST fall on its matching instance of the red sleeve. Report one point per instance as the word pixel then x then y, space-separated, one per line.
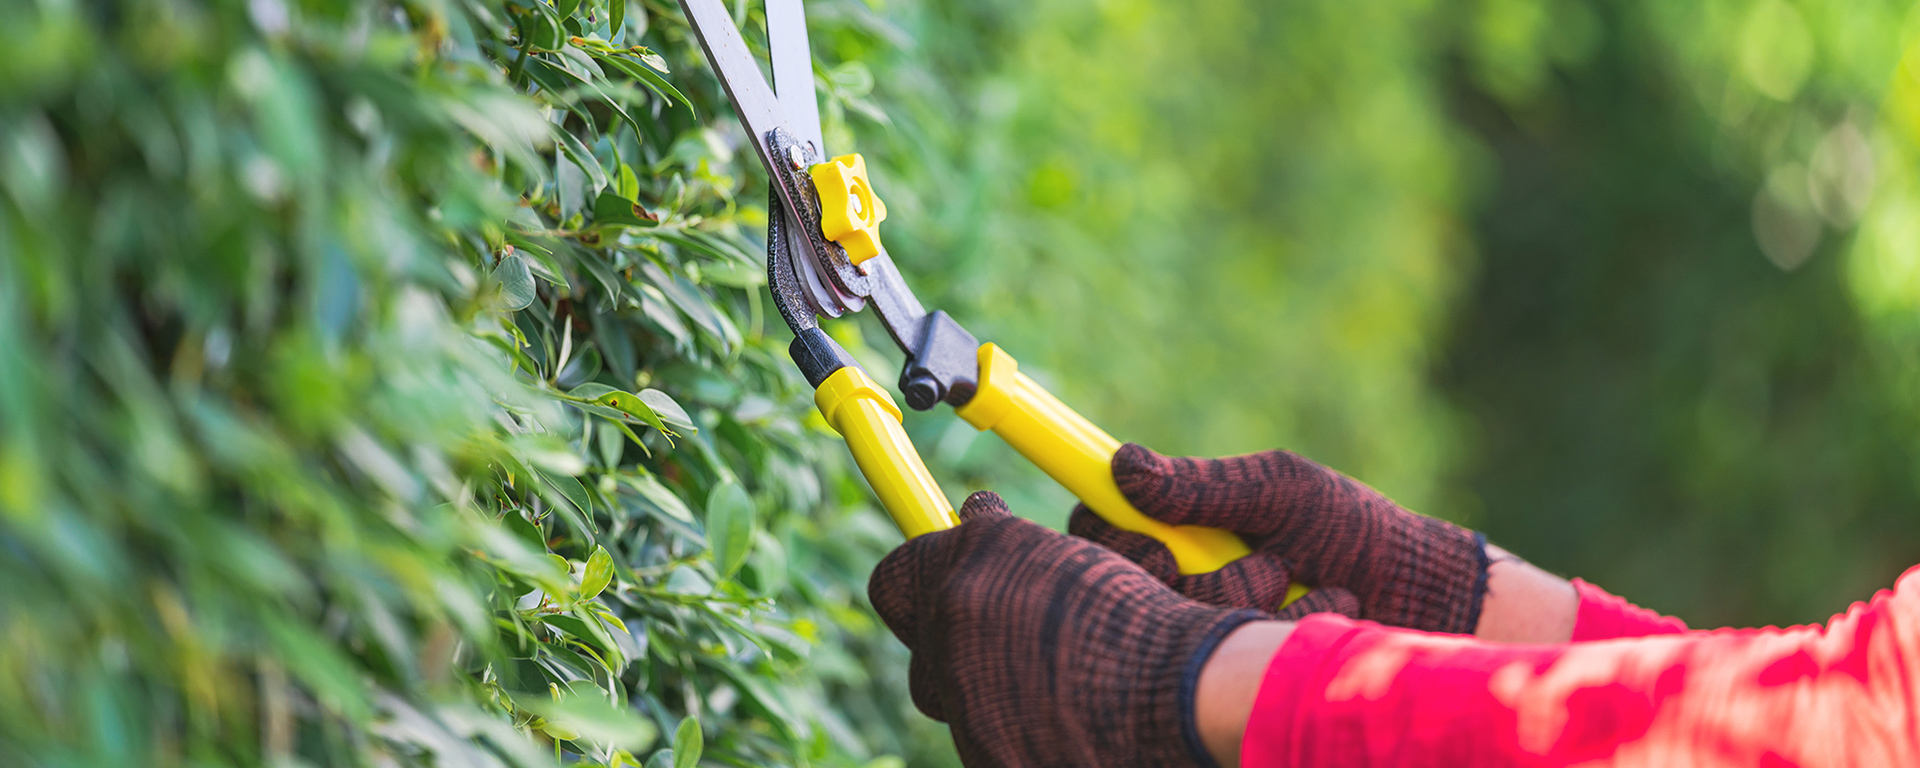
pixel 1341 692
pixel 1604 617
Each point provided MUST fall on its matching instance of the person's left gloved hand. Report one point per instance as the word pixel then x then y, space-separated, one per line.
pixel 1041 649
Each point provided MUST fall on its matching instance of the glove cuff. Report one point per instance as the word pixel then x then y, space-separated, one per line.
pixel 1439 583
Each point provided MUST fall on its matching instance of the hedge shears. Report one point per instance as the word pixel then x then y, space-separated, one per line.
pixel 825 259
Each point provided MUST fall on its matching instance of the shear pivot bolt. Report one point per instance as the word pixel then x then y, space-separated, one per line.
pixel 922 392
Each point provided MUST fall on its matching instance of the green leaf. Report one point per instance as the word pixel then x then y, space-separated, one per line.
pixel 596 265
pixel 730 521
pixel 617 24
pixel 541 29
pixel 668 410
pixel 566 7
pixel 768 563
pixel 696 304
pixel 613 210
pixel 516 282
pixel 595 719
pixel 636 406
pixel 322 665
pixel 527 530
pixel 660 497
pixel 651 59
pixel 571 489
pixel 687 743
pixel 647 77
pixel 582 157
pixel 568 497
pixel 629 186
pixel 591 634
pixel 598 575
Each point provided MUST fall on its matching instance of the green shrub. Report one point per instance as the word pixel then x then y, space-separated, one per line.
pixel 388 383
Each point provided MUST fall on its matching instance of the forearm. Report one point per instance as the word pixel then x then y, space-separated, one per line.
pixel 1524 604
pixel 1341 692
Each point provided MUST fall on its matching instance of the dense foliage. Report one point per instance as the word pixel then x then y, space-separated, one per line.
pixel 388 383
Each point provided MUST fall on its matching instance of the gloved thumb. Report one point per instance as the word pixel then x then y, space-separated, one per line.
pixel 983 505
pixel 1322 600
pixel 1145 551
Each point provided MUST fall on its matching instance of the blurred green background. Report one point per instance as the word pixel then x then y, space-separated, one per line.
pixel 1631 286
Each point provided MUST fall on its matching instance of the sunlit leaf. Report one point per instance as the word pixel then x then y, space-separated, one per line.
pixel 669 411
pixel 516 282
pixel 626 403
pixel 658 495
pixel 582 158
pixel 598 575
pixel 687 743
pixel 730 522
pixel 595 719
pixel 613 210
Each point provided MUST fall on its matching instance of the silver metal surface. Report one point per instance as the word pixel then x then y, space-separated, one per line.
pixel 762 111
pixel 759 109
pixel 793 85
pixel 793 70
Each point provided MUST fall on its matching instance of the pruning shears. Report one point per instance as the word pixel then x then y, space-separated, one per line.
pixel 825 259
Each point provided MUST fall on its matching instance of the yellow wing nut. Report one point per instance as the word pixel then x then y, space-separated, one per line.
pixel 850 214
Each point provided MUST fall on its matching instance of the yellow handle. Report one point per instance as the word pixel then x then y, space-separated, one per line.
pixel 1079 456
pixel 865 415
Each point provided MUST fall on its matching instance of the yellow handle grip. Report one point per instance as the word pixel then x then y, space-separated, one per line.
pixel 1079 456
pixel 865 415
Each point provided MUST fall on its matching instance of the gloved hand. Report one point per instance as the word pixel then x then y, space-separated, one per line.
pixel 1041 649
pixel 1364 555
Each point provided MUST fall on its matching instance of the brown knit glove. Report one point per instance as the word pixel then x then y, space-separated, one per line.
pixel 1364 555
pixel 1041 649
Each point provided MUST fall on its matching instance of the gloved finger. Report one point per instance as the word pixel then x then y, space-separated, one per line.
pixel 923 686
pixel 902 592
pixel 983 505
pixel 1258 581
pixel 1251 494
pixel 1145 551
pixel 904 584
pixel 1322 600
pixel 907 574
pixel 902 577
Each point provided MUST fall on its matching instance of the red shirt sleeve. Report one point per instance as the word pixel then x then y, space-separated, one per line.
pixel 1341 692
pixel 1604 616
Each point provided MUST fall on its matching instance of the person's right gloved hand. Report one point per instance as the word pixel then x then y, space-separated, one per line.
pixel 1042 650
pixel 1365 556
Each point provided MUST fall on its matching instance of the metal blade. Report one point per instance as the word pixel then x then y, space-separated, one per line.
pixel 793 70
pixel 793 84
pixel 762 113
pixel 759 110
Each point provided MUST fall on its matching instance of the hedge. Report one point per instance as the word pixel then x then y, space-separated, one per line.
pixel 388 383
